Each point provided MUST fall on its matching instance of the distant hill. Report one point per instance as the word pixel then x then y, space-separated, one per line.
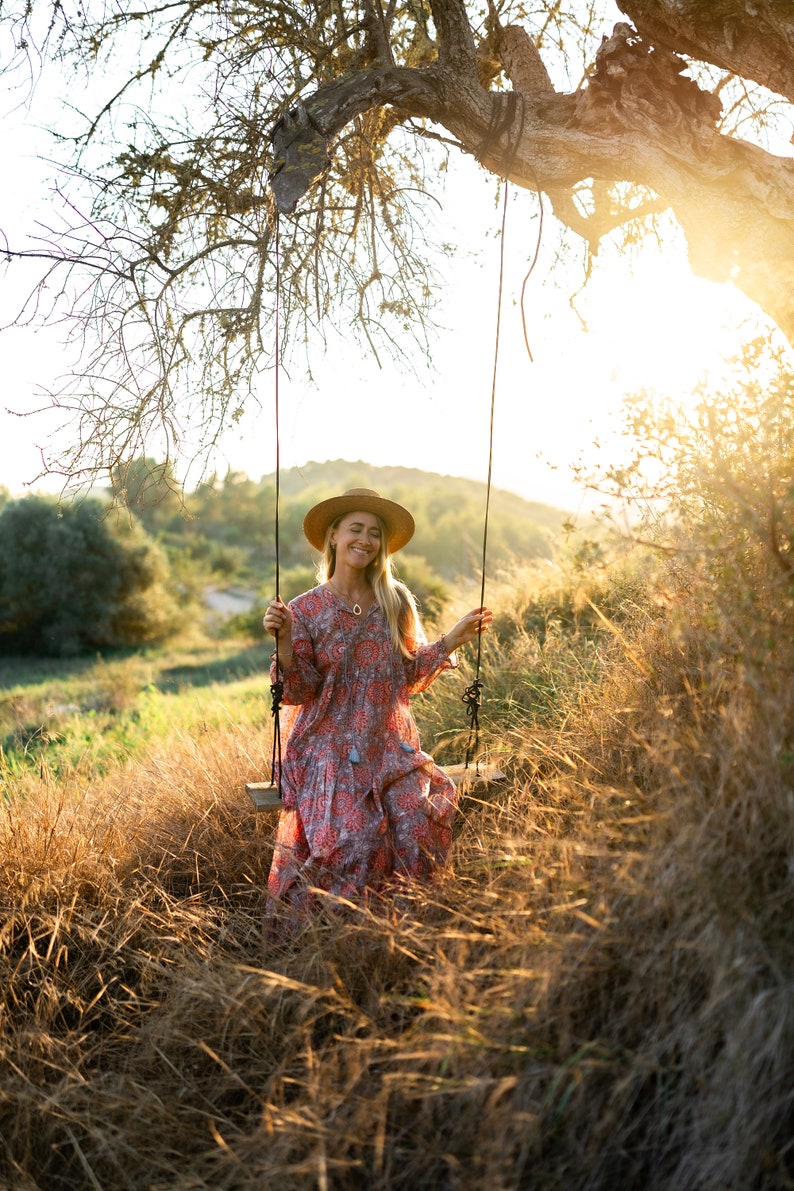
pixel 226 526
pixel 339 474
pixel 449 512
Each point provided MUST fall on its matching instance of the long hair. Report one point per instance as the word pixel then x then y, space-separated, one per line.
pixel 396 601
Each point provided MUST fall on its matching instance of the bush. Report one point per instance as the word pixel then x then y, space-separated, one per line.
pixel 71 582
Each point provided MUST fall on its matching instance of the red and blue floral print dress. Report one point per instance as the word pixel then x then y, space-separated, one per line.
pixel 362 804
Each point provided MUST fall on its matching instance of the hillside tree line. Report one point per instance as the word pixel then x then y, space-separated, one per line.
pixel 130 565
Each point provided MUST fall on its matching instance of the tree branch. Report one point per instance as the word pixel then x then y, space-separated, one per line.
pixel 521 61
pixel 302 136
pixel 638 119
pixel 755 41
pixel 456 47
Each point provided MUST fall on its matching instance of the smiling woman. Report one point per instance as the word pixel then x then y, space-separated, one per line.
pixel 364 808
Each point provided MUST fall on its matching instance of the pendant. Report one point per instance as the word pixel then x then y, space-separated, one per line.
pixel 356 609
pixel 353 756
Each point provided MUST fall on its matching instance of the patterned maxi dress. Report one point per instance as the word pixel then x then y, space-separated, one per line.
pixel 362 804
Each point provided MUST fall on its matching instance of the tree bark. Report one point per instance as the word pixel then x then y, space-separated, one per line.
pixel 751 38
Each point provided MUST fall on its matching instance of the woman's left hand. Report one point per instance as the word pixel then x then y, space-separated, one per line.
pixel 474 622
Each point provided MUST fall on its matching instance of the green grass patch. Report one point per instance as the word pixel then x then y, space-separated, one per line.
pixel 90 716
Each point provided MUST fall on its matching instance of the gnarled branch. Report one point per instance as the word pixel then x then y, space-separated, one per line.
pixel 754 40
pixel 637 119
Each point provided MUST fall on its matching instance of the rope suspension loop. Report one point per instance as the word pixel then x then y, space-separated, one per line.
pixel 277 687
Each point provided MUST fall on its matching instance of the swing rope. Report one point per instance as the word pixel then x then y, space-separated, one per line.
pixel 498 124
pixel 277 687
pixel 472 696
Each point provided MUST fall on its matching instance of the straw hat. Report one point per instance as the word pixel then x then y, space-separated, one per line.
pixel 398 521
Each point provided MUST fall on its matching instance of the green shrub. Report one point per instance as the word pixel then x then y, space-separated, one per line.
pixel 70 581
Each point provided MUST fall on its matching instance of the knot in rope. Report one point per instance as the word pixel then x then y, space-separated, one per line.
pixel 471 698
pixel 276 696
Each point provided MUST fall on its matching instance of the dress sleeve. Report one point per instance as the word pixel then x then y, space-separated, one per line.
pixel 425 665
pixel 302 678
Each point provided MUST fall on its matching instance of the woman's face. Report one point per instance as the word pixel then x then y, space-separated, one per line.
pixel 357 539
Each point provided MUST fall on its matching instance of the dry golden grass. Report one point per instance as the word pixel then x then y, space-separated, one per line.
pixel 598 995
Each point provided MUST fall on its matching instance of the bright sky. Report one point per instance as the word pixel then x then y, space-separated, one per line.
pixel 649 323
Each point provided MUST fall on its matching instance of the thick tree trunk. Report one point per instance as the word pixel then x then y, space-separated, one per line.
pixel 638 119
pixel 750 38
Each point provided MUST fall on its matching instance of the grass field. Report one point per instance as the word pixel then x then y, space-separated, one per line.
pixel 89 715
pixel 597 994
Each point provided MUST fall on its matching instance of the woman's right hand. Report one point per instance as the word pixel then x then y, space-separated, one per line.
pixel 278 621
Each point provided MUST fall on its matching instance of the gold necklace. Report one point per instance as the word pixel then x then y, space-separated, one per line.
pixel 356 607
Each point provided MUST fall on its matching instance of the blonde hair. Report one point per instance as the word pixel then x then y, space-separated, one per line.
pixel 396 601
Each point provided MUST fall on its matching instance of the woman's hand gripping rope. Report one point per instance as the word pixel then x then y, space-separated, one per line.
pixel 277 622
pixel 477 621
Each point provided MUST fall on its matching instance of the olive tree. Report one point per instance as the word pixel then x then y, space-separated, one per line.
pixel 332 120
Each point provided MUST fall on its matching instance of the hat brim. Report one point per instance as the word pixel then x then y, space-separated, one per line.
pixel 399 523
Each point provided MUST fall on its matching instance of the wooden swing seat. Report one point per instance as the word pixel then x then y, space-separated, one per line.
pixel 264 796
pixel 474 777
